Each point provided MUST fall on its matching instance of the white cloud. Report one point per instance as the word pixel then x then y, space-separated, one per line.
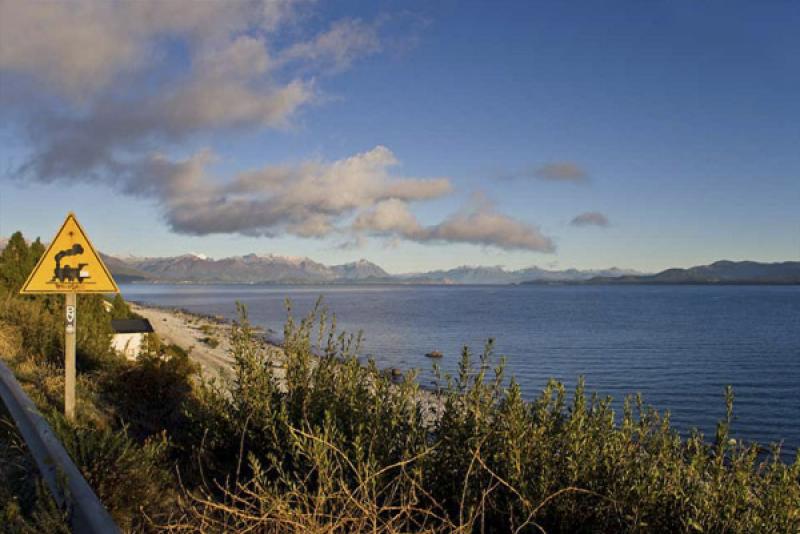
pixel 103 90
pixel 316 199
pixel 309 199
pixel 390 217
pixel 98 81
pixel 486 227
pixel 345 41
pixel 79 47
pixel 479 224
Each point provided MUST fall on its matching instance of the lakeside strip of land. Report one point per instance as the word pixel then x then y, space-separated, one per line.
pixel 188 330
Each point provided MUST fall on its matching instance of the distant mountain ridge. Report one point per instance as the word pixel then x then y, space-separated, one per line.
pixel 270 268
pixel 499 275
pixel 719 272
pixel 122 272
pixel 251 268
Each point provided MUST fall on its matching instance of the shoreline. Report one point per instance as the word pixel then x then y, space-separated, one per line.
pixel 183 327
pixel 186 329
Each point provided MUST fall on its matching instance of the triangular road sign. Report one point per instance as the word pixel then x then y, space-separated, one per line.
pixel 70 265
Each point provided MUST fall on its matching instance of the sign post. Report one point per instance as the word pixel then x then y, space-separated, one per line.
pixel 69 355
pixel 85 273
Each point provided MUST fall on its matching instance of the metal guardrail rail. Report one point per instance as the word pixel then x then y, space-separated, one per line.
pixel 69 489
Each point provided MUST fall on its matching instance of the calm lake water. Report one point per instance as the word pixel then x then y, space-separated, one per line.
pixel 677 345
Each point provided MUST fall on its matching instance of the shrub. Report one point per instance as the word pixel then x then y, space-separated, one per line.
pixel 130 479
pixel 211 341
pixel 207 329
pixel 335 446
pixel 25 505
pixel 150 393
pixel 120 308
pixel 39 331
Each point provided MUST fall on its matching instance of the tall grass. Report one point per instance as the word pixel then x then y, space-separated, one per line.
pixel 336 447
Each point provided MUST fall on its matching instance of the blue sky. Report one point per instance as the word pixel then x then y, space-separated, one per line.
pixel 417 135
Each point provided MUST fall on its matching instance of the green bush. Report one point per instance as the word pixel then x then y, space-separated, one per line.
pixel 207 329
pixel 40 331
pixel 131 480
pixel 150 394
pixel 25 504
pixel 120 308
pixel 40 323
pixel 336 447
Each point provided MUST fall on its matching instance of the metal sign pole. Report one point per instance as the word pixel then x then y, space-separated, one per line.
pixel 69 355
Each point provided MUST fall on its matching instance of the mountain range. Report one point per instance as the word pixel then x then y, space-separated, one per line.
pixel 720 272
pixel 274 269
pixel 270 268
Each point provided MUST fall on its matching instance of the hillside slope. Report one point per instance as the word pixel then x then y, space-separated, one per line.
pixel 720 272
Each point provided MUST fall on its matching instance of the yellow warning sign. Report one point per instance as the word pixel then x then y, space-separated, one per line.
pixel 70 265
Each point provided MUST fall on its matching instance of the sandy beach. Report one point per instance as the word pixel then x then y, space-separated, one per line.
pixel 184 329
pixel 188 331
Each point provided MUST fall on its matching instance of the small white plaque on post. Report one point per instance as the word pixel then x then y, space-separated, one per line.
pixel 70 319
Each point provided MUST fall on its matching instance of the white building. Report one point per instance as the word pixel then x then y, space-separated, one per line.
pixel 129 335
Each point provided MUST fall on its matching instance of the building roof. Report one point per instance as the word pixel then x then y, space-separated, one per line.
pixel 131 326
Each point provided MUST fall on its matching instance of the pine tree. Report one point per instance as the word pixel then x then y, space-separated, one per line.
pixel 36 251
pixel 17 262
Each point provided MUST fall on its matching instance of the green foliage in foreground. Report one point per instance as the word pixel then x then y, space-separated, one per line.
pixel 295 443
pixel 335 446
pixel 129 470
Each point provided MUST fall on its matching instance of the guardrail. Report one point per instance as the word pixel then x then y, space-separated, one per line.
pixel 86 514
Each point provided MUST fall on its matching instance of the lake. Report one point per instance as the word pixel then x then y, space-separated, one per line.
pixel 677 345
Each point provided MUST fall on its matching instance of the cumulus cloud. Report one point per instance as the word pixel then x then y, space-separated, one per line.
pixel 590 218
pixel 102 80
pixel 390 217
pixel 564 171
pixel 478 224
pixel 315 199
pixel 487 227
pixel 105 91
pixel 81 46
pixel 309 199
